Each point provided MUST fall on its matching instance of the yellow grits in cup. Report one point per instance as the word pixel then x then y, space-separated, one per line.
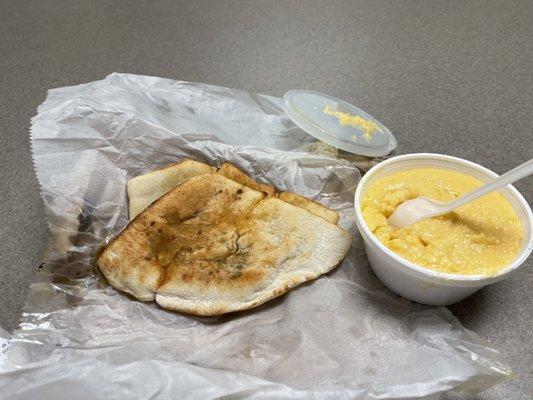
pixel 479 238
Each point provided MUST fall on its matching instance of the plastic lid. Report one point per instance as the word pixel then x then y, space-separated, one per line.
pixel 338 123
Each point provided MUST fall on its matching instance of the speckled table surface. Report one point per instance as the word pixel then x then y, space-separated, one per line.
pixel 447 77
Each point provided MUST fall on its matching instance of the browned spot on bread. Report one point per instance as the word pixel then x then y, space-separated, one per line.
pixel 230 171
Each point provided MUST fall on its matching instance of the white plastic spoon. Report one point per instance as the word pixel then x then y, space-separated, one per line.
pixel 415 210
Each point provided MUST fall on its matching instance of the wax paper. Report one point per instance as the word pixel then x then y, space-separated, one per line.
pixel 342 336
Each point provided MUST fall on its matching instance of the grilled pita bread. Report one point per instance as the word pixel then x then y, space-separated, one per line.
pixel 309 205
pixel 145 189
pixel 234 173
pixel 213 246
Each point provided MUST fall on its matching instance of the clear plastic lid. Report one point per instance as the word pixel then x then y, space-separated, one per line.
pixel 338 123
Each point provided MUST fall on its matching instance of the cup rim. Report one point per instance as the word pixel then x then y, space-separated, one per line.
pixel 519 259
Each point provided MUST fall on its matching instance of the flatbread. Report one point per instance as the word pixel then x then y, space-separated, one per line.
pixel 143 190
pixel 309 205
pixel 213 246
pixel 234 173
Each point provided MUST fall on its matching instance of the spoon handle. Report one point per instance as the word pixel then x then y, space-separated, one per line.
pixel 513 175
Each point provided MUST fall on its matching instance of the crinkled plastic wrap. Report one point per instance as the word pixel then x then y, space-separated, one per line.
pixel 342 336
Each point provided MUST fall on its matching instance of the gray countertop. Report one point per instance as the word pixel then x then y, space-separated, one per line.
pixel 447 77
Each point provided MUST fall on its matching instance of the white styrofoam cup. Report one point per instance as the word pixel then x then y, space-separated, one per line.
pixel 418 283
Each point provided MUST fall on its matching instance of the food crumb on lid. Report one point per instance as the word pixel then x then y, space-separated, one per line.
pixel 355 121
